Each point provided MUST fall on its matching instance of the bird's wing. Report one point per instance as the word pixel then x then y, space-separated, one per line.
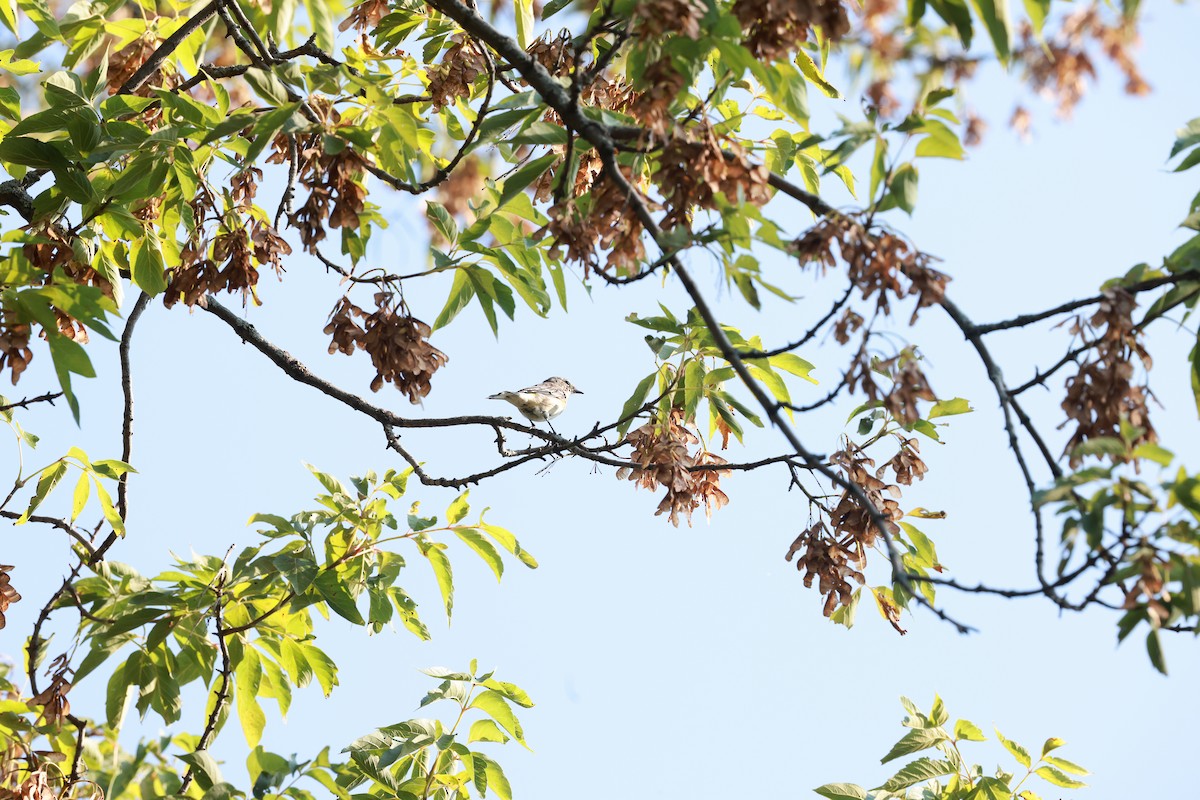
pixel 541 388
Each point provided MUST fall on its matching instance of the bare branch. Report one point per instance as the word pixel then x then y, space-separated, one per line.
pixel 139 308
pixel 169 45
pixel 226 673
pixel 61 524
pixel 48 397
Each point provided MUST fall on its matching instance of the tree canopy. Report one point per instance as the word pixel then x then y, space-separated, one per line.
pixel 180 152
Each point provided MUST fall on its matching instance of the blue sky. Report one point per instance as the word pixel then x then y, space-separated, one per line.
pixel 692 662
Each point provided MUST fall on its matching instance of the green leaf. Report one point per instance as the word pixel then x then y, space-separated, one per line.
pixel 10 99
pixel 334 592
pixel 1058 778
pixel 1194 358
pixel 922 769
pixel 441 571
pixel 1053 743
pixel 635 402
pixel 486 730
pixel 772 381
pixel 204 768
pixel 915 741
pixel 496 706
pixel 509 542
pixel 937 714
pixel 458 509
pixel 83 488
pixel 693 387
pixel 558 277
pixel 522 177
pixel 1037 11
pixel 1153 452
pixel 904 187
pixel 117 695
pixel 1018 752
pixel 248 676
pixel 461 292
pixel 294 661
pixel 148 272
pixel 808 68
pixel 939 141
pixel 1062 763
pixel 1154 648
pixel 540 133
pixel 330 483
pixel 268 85
pixel 523 11
pixel 926 428
pixel 110 512
pixel 990 788
pixel 322 667
pixel 510 690
pixel 8 14
pixel 31 153
pixel 476 541
pixel 442 220
pixel 787 89
pixel 18 66
pixel 947 408
pixel 995 16
pixel 553 7
pixel 298 569
pixel 50 477
pixel 496 779
pixel 794 364
pixel 842 791
pixel 967 731
pixel 40 15
pixel 321 18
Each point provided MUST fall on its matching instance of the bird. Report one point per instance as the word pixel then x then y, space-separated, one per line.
pixel 541 402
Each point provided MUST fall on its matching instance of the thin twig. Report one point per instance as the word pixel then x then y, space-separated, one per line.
pixel 169 45
pixel 226 673
pixel 139 308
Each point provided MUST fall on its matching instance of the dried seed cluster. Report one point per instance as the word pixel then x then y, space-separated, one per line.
pixel 53 699
pixel 608 223
pixel 657 18
pixel 461 66
pixel 1103 393
pixel 365 15
pixel 395 340
pixel 1060 67
pixel 879 262
pixel 336 192
pixel 652 105
pixel 128 60
pixel 8 595
pixel 772 29
pixel 836 556
pixel 663 453
pixel 230 260
pixel 694 170
pixel 1151 584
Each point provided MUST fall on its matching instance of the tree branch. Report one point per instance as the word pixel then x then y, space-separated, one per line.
pixel 139 308
pixel 48 397
pixel 169 45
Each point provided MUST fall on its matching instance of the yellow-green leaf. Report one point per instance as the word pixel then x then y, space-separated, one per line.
pixel 458 509
pixel 83 488
pixel 1058 778
pixel 248 675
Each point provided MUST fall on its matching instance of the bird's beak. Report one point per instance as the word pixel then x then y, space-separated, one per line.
pixel 576 390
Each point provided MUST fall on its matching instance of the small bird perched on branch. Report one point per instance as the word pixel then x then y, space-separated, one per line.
pixel 541 402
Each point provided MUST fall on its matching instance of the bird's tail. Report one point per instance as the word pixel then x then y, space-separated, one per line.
pixel 509 396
